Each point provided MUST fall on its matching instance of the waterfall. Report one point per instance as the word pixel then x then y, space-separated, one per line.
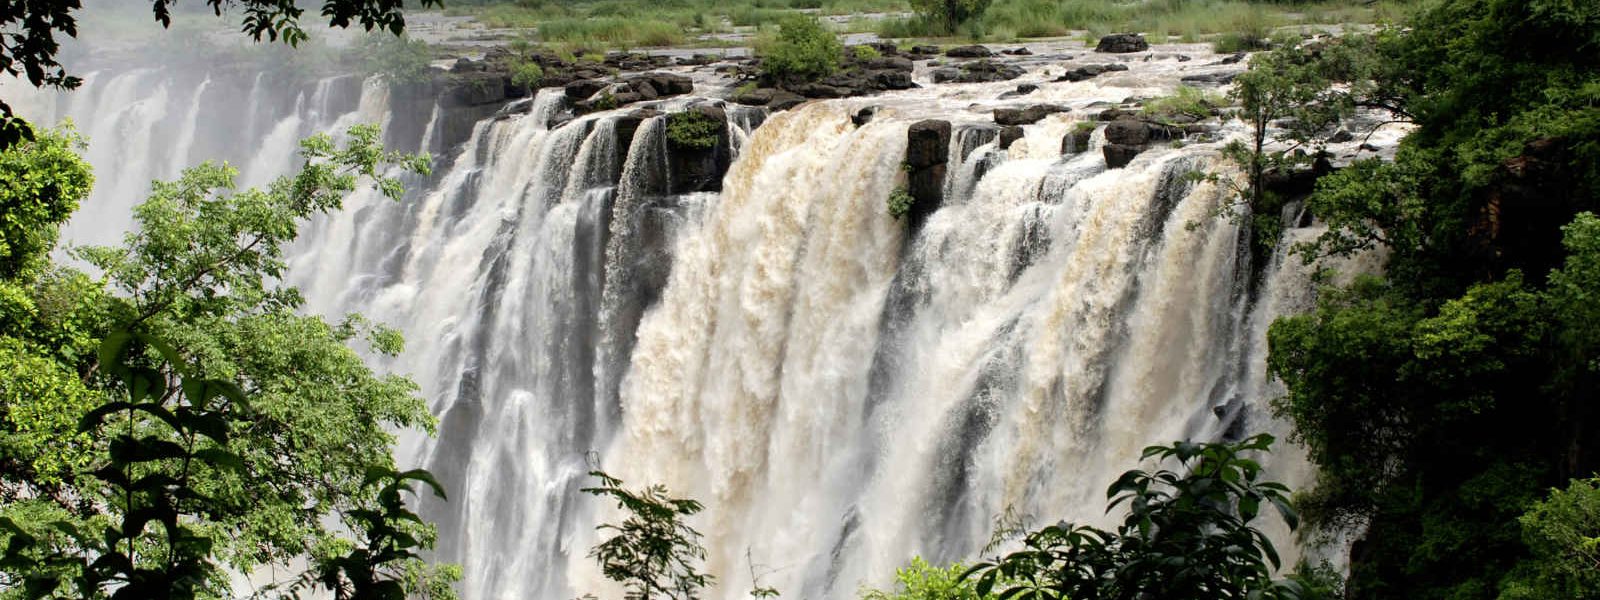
pixel 841 389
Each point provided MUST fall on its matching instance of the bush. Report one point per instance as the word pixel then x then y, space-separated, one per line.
pixel 397 59
pixel 900 202
pixel 528 75
pixel 923 581
pixel 802 50
pixel 693 130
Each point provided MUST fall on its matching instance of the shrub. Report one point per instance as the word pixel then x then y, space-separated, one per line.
pixel 866 52
pixel 528 75
pixel 693 130
pixel 397 59
pixel 802 50
pixel 900 202
pixel 923 581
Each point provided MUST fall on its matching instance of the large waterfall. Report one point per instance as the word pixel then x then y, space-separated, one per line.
pixel 842 389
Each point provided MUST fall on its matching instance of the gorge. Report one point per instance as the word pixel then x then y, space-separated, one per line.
pixel 842 388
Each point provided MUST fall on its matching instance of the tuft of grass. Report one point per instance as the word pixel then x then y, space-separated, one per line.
pixel 1186 100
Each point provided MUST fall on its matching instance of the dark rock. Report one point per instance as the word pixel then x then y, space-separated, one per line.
pixel 1022 90
pixel 1008 135
pixel 884 48
pixel 644 89
pixel 864 116
pixel 1020 51
pixel 699 168
pixel 785 100
pixel 1114 113
pixel 697 60
pixel 1341 136
pixel 667 84
pixel 1119 155
pixel 1128 132
pixel 925 50
pixel 583 89
pixel 465 65
pixel 475 88
pixel 1076 140
pixel 892 63
pixel 820 90
pixel 1122 43
pixel 927 152
pixel 1211 78
pixel 1235 58
pixel 980 71
pixel 1091 71
pixel 1026 116
pixel 973 51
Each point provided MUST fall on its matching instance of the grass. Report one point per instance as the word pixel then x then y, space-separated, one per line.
pixel 1186 100
pixel 624 24
pixel 1161 20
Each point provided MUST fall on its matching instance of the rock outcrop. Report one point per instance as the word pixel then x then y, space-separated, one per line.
pixel 927 158
pixel 979 71
pixel 1091 71
pixel 1122 43
pixel 1027 115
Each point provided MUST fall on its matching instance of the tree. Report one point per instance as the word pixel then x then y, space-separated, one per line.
pixel 923 581
pixel 1188 534
pixel 802 50
pixel 652 552
pixel 1563 531
pixel 220 428
pixel 950 14
pixel 29 47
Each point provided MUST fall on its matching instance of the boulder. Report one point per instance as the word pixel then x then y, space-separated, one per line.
pixel 583 89
pixel 1211 78
pixel 1128 132
pixel 1026 116
pixel 977 72
pixel 864 116
pixel 973 51
pixel 1076 141
pixel 1091 71
pixel 1122 43
pixel 1022 90
pixel 1021 51
pixel 1009 135
pixel 925 50
pixel 771 98
pixel 1119 155
pixel 697 168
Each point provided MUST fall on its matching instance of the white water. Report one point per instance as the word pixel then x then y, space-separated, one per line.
pixel 841 395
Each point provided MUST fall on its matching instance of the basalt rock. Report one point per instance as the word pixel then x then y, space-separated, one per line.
pixel 1022 90
pixel 1026 116
pixel 927 155
pixel 1023 51
pixel 1211 78
pixel 977 72
pixel 1122 43
pixel 631 89
pixel 973 51
pixel 771 98
pixel 1076 140
pixel 699 168
pixel 1091 71
pixel 1009 135
pixel 1127 137
pixel 925 50
pixel 864 116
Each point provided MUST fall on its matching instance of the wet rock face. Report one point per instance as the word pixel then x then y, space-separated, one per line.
pixel 1127 137
pixel 1091 71
pixel 698 165
pixel 927 155
pixel 1122 43
pixel 1026 116
pixel 771 98
pixel 980 71
pixel 1009 135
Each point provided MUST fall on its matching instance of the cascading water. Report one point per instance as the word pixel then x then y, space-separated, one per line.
pixel 843 391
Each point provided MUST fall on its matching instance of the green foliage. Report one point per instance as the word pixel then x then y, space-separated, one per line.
pixel 398 59
pixel 1563 532
pixel 865 52
pixel 1185 101
pixel 802 50
pixel 900 202
pixel 527 74
pixel 950 13
pixel 146 455
pixel 41 183
pixel 1188 534
pixel 652 552
pixel 923 581
pixel 694 130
